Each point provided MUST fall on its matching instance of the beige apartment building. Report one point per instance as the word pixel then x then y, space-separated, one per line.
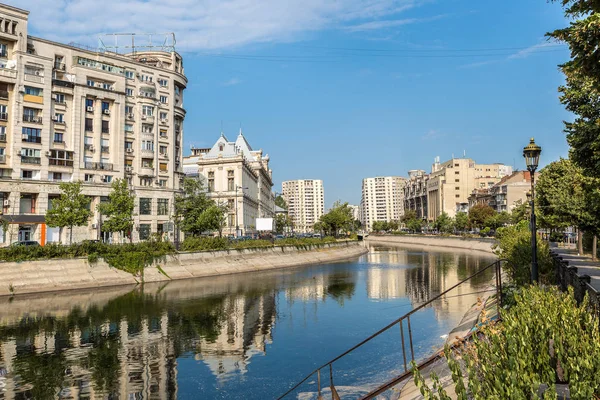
pixel 382 199
pixel 415 193
pixel 72 114
pixel 238 177
pixel 505 195
pixel 305 200
pixel 451 183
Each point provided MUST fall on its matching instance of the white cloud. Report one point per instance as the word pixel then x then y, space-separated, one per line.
pixel 535 49
pixel 232 82
pixel 208 24
pixel 432 134
pixel 383 24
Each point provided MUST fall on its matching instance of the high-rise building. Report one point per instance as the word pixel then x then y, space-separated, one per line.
pixel 451 183
pixel 68 114
pixel 237 177
pixel 382 199
pixel 305 200
pixel 415 193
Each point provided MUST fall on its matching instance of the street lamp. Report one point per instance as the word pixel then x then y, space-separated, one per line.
pixel 532 152
pixel 237 226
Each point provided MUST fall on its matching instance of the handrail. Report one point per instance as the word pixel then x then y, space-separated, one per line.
pixel 497 264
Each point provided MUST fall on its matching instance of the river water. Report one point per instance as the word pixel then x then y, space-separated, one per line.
pixel 248 336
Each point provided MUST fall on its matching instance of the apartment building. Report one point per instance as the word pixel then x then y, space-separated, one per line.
pixel 305 200
pixel 505 195
pixel 451 183
pixel 238 177
pixel 382 199
pixel 415 193
pixel 74 114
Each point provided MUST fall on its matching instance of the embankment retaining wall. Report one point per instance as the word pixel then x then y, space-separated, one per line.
pixel 67 274
pixel 478 244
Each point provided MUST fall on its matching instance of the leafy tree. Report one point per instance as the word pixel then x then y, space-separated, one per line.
pixel 408 215
pixel 410 220
pixel 280 202
pixel 443 223
pixel 118 208
pixel 461 221
pixel 497 220
pixel 190 205
pixel 479 213
pixel 581 93
pixel 521 212
pixel 283 221
pixel 337 219
pixel 214 218
pixel 70 209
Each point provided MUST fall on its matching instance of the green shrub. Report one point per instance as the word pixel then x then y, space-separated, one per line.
pixel 544 339
pixel 514 244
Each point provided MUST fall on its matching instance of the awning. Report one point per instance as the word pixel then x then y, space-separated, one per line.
pixel 24 219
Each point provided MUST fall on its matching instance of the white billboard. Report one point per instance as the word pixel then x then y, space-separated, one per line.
pixel 264 224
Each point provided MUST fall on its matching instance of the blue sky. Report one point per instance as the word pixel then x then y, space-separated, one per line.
pixel 340 91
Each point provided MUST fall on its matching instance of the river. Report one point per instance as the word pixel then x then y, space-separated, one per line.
pixel 246 336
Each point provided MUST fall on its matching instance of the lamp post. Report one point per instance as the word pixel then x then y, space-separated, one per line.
pixel 532 152
pixel 237 226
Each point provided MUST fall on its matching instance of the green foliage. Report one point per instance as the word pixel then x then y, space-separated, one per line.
pixel 444 223
pixel 544 339
pixel 283 222
pixel 118 208
pixel 280 202
pixel 521 212
pixel 514 244
pixel 338 219
pixel 189 207
pixel 70 209
pixel 208 243
pixel 497 220
pixel 479 213
pixel 581 93
pixel 214 218
pixel 461 221
pixel 410 220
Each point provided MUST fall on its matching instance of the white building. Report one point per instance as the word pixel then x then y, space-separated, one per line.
pixel 71 114
pixel 236 176
pixel 305 200
pixel 382 199
pixel 355 212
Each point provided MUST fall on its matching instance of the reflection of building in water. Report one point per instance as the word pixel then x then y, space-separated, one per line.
pixel 312 289
pixel 386 283
pixel 146 366
pixel 388 256
pixel 245 332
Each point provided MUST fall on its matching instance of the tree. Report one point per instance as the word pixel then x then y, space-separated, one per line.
pixel 581 93
pixel 479 213
pixel 521 212
pixel 461 221
pixel 281 222
pixel 118 209
pixel 190 205
pixel 280 202
pixel 337 219
pixel 214 218
pixel 70 209
pixel 443 223
pixel 497 220
pixel 410 220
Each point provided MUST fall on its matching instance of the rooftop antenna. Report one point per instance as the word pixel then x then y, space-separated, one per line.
pixel 464 154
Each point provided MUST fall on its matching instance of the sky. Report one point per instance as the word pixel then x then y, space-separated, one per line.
pixel 341 90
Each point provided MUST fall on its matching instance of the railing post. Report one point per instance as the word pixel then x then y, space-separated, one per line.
pixel 403 346
pixel 412 352
pixel 319 384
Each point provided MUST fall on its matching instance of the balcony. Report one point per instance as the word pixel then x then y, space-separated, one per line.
pixel 61 83
pixel 60 66
pixel 35 78
pixel 32 139
pixel 148 95
pixel 147 171
pixel 104 149
pixel 31 160
pixel 60 162
pixel 32 118
pixel 88 147
pixel 99 166
pixel 8 73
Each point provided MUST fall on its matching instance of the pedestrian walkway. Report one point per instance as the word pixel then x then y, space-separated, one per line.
pixel 583 263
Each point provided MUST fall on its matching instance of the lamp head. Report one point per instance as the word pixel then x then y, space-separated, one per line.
pixel 532 152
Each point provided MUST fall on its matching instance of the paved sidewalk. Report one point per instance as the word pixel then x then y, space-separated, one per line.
pixel 584 264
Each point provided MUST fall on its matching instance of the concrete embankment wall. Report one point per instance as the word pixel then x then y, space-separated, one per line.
pixel 478 244
pixel 67 274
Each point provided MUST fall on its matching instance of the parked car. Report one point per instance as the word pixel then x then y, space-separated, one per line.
pixel 279 237
pixel 317 235
pixel 26 243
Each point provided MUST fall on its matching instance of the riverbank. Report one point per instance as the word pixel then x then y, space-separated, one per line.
pixel 79 273
pixel 454 242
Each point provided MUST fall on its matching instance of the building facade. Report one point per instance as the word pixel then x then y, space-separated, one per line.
pixel 237 177
pixel 306 202
pixel 451 183
pixel 382 199
pixel 415 193
pixel 505 195
pixel 70 114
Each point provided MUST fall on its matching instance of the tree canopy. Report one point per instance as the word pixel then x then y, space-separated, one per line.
pixel 280 202
pixel 478 215
pixel 190 206
pixel 118 208
pixel 338 219
pixel 70 209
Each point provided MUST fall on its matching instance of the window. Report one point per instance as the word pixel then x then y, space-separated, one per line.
pixel 162 206
pixel 128 109
pixel 4 52
pixel 89 125
pixel 26 174
pixel 58 137
pixel 177 90
pixel 105 126
pixel 129 145
pixel 162 150
pixel 146 78
pixel 128 128
pixel 457 180
pixel 27 203
pixel 32 91
pixel 457 196
pixel 162 182
pixel 56 176
pixel 88 178
pixel 145 206
pixel 163 133
pixel 221 147
pixel 129 74
pixel 230 184
pixel 147 163
pixel 163 99
pixel 107 179
pixel 230 204
pixel 457 165
pixel 30 156
pixel 145 181
pixel 89 103
pixel 107 86
pixel 457 187
pixel 32 135
pixel 163 167
pixel 104 146
pixel 91 83
pixel 148 145
pixel 105 106
pixel 456 172
pixel 128 163
pixel 59 98
pixel 129 91
pixel 61 158
pixel 163 115
pixel 144 230
pixel 147 110
pixel 59 117
pixel 146 128
pixel 163 82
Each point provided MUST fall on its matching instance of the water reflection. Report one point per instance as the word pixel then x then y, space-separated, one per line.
pixel 192 339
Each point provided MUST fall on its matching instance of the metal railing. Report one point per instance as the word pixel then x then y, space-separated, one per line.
pixel 67 84
pixel 99 165
pixel 398 323
pixel 32 118
pixel 567 275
